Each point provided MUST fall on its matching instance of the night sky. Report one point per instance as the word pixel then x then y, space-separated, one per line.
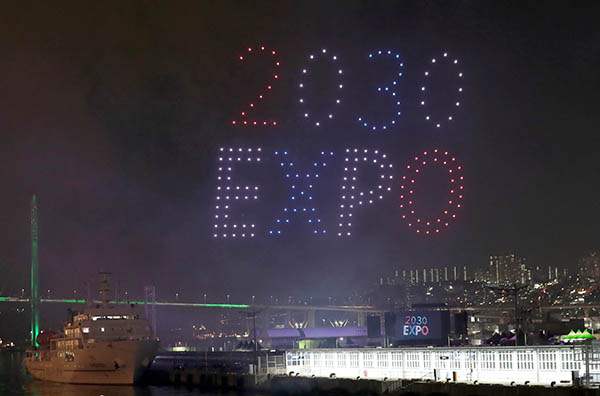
pixel 114 112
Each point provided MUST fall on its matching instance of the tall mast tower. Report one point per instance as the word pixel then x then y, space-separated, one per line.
pixel 35 275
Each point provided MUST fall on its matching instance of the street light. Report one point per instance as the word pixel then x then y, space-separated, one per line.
pixel 252 315
pixel 515 288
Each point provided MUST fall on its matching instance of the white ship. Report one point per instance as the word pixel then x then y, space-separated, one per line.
pixel 105 344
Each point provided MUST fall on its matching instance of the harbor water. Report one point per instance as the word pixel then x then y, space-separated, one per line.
pixel 16 381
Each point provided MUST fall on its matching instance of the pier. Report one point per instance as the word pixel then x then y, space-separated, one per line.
pixel 493 371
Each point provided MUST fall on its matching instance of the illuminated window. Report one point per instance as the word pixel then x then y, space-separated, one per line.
pixel 571 359
pixel 525 360
pixel 396 359
pixel 341 359
pixel 412 359
pixel 382 359
pixel 427 360
pixel 441 359
pixel 455 360
pixel 505 360
pixel 488 360
pixel 353 359
pixel 317 360
pixel 329 359
pixel 547 360
pixel 368 360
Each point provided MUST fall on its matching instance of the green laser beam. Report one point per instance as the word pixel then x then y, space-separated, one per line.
pixel 182 304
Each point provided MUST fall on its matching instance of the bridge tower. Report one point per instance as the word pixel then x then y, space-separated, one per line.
pixel 150 307
pixel 35 275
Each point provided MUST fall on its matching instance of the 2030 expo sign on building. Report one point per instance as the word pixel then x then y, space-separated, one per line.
pixel 415 327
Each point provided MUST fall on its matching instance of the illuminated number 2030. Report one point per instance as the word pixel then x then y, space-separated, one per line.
pixel 419 320
pixel 390 88
pixel 302 83
pixel 244 115
pixel 387 89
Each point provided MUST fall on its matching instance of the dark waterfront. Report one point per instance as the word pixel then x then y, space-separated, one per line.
pixel 15 381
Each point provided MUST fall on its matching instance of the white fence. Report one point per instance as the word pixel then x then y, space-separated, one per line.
pixel 535 365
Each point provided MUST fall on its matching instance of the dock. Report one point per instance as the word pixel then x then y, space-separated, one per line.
pixel 236 371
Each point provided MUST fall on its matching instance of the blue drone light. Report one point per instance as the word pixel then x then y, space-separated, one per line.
pixel 387 90
pixel 305 186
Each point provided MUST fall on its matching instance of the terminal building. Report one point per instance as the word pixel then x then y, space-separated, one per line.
pixel 558 365
pixel 319 337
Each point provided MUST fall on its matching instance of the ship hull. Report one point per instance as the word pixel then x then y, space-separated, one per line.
pixel 109 362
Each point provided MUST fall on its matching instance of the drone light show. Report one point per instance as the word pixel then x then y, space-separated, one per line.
pixel 432 116
pixel 300 181
pixel 317 116
pixel 229 192
pixel 246 118
pixel 352 196
pixel 390 89
pixel 327 113
pixel 419 222
pixel 301 184
pixel 303 204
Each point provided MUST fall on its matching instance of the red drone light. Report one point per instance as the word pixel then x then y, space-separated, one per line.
pixel 244 120
pixel 432 225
